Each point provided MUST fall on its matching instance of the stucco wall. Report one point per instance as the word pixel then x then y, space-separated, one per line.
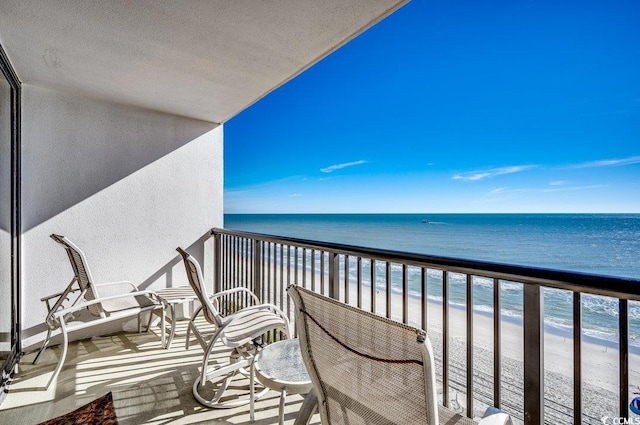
pixel 126 185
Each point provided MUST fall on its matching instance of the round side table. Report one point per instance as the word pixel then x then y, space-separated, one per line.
pixel 279 366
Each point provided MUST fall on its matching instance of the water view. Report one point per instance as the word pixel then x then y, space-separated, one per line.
pixel 604 244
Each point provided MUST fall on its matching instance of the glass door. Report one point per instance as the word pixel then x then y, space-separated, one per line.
pixel 9 219
pixel 5 220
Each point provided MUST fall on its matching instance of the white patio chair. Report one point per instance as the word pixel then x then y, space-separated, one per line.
pixel 236 331
pixel 83 293
pixel 367 369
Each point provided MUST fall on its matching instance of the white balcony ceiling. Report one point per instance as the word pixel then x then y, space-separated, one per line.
pixel 202 59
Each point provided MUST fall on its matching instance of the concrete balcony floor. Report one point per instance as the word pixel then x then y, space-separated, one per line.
pixel 150 385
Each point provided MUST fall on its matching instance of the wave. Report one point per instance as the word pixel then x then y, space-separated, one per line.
pixel 599 313
pixel 599 321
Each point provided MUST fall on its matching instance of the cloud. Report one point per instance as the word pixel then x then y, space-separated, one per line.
pixel 504 190
pixel 562 189
pixel 295 195
pixel 335 167
pixel 558 183
pixel 608 162
pixel 480 175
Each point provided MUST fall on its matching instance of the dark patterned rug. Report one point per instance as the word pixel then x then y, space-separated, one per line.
pixel 98 412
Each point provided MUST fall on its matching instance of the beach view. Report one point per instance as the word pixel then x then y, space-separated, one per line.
pixel 516 238
pixel 362 212
pixel 503 133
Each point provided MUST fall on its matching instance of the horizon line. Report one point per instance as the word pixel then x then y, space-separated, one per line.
pixel 425 213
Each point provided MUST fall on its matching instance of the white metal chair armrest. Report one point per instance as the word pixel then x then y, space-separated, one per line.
pixel 48 297
pixel 261 307
pixel 61 313
pixel 123 282
pixel 233 291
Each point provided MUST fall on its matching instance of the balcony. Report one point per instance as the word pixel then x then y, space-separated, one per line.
pixel 150 385
pixel 519 364
pixel 483 358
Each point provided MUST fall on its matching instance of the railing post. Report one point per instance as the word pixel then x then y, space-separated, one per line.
pixel 256 250
pixel 533 355
pixel 373 285
pixel 577 358
pixel 405 294
pixel 497 344
pixel 334 275
pixel 623 353
pixel 217 260
pixel 387 291
pixel 469 346
pixel 445 338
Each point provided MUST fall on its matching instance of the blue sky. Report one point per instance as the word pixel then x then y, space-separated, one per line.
pixel 454 106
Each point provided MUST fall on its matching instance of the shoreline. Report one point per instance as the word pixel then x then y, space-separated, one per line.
pixel 549 327
pixel 564 331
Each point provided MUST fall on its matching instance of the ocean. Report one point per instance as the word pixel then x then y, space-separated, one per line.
pixel 606 244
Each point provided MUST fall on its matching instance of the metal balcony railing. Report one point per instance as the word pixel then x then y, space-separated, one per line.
pixel 403 286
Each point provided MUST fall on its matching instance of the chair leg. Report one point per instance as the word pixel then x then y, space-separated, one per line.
pixel 162 325
pixel 63 355
pixel 224 374
pixel 223 387
pixel 308 408
pixel 252 396
pixel 195 331
pixel 150 319
pixel 148 328
pixel 187 343
pixel 44 345
pixel 207 354
pixel 172 332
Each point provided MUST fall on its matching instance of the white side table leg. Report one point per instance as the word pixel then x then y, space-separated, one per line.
pixel 252 374
pixel 172 332
pixel 283 396
pixel 162 325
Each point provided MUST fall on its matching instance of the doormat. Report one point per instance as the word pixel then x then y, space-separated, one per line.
pixel 98 412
